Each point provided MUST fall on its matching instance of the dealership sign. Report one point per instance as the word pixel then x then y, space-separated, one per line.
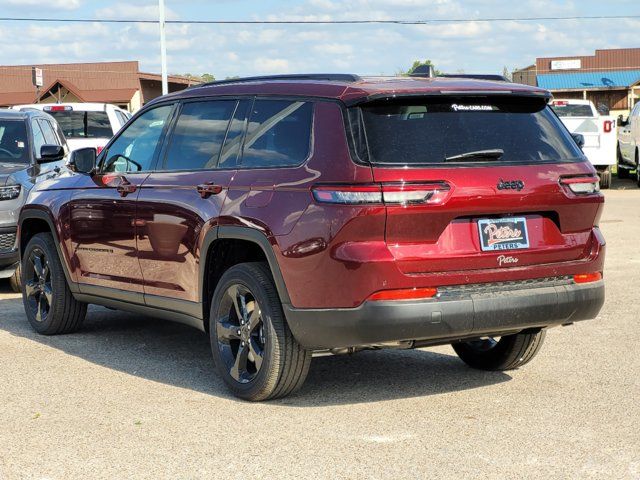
pixel 36 77
pixel 566 64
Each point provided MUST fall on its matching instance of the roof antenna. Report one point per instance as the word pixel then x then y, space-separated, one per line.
pixel 423 71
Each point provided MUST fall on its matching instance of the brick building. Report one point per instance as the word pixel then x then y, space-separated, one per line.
pixel 118 83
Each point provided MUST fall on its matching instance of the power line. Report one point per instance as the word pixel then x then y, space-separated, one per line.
pixel 322 22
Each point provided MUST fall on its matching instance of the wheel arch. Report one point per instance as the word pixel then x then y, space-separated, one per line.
pixel 235 245
pixel 34 221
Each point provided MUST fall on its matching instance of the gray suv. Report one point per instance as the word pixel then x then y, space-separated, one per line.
pixel 32 149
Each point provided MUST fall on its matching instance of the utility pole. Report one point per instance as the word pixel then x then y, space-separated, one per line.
pixel 163 50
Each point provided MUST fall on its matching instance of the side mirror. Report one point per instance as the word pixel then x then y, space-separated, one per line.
pixel 621 122
pixel 579 139
pixel 83 160
pixel 51 153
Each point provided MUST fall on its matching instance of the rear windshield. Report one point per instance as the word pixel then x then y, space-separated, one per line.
pixel 572 110
pixel 449 130
pixel 14 147
pixel 84 124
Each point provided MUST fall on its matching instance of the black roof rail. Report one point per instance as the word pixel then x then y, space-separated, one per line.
pixel 476 76
pixel 329 77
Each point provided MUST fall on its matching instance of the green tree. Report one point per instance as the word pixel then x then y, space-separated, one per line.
pixel 417 64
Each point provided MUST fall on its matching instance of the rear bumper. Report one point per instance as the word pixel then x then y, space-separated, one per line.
pixel 458 313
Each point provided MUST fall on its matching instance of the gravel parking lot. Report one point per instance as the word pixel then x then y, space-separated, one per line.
pixel 132 397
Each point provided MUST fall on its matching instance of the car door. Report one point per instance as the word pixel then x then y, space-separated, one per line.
pixel 634 124
pixel 103 208
pixel 625 137
pixel 182 201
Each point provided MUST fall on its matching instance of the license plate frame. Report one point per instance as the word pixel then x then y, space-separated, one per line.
pixel 499 234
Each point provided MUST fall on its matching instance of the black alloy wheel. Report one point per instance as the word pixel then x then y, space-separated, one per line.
pixel 240 333
pixel 38 289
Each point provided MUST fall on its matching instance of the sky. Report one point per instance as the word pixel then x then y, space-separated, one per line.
pixel 230 50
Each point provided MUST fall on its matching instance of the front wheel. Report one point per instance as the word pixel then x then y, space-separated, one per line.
pixel 506 353
pixel 253 349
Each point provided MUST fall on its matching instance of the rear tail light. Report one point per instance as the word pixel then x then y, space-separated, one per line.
pixel 587 277
pixel 404 294
pixel 383 194
pixel 608 126
pixel 581 185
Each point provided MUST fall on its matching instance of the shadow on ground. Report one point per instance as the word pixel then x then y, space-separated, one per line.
pixel 178 355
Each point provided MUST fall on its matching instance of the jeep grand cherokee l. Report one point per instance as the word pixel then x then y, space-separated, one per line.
pixel 327 213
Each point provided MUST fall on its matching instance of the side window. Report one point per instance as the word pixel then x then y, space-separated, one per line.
pixel 197 138
pixel 134 149
pixel 278 135
pixel 49 135
pixel 38 137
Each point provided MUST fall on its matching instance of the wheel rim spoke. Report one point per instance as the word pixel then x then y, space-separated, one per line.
pixel 38 268
pixel 240 365
pixel 254 318
pixel 256 351
pixel 227 330
pixel 234 293
pixel 39 309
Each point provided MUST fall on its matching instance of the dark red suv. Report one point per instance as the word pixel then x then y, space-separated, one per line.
pixel 326 213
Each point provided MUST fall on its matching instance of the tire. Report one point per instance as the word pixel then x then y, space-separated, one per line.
pixel 48 302
pixel 240 337
pixel 622 171
pixel 605 179
pixel 508 353
pixel 14 281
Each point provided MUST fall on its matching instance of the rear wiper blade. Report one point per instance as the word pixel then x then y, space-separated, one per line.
pixel 492 154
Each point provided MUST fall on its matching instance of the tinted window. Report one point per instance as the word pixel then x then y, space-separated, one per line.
pixel 76 124
pixel 572 110
pixel 233 141
pixel 38 137
pixel 278 134
pixel 197 139
pixel 47 130
pixel 134 149
pixel 13 141
pixel 434 130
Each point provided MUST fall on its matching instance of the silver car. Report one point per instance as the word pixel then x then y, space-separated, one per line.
pixel 32 149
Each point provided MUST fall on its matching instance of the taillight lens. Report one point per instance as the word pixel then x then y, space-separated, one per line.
pixel 378 194
pixel 587 277
pixel 582 185
pixel 404 294
pixel 608 126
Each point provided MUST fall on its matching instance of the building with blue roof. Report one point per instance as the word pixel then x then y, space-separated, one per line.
pixel 610 78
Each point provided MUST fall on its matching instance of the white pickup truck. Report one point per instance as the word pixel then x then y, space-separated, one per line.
pixel 599 132
pixel 629 144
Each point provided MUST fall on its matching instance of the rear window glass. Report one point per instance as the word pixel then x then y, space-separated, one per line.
pixel 278 134
pixel 14 147
pixel 76 124
pixel 465 129
pixel 572 110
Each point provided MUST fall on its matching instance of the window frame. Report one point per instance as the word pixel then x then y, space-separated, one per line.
pixel 161 140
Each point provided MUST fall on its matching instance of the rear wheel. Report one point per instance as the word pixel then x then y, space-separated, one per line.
pixel 48 302
pixel 504 353
pixel 253 349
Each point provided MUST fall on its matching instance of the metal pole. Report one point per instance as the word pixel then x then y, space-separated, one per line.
pixel 163 50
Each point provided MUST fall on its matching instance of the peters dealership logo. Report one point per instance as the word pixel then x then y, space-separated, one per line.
pixel 510 185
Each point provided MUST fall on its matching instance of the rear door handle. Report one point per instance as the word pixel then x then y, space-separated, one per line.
pixel 207 189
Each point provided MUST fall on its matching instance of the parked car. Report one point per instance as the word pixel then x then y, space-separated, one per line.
pixel 32 149
pixel 598 131
pixel 291 215
pixel 85 124
pixel 629 144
